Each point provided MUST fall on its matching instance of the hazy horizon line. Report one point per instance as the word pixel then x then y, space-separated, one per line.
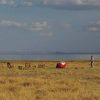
pixel 47 52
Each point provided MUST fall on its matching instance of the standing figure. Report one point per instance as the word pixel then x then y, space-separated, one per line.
pixel 92 61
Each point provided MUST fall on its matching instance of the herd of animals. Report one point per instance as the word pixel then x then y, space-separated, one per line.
pixel 26 66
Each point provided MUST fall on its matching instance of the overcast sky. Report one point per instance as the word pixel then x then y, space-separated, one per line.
pixel 50 25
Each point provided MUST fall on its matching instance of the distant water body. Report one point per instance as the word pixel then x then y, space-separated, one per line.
pixel 67 56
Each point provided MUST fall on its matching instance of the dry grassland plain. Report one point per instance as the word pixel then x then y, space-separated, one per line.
pixel 41 80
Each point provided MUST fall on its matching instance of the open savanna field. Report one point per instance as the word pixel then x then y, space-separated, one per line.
pixel 41 80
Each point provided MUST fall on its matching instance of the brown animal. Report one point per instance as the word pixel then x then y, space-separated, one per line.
pixel 41 65
pixel 27 66
pixel 9 65
pixel 20 67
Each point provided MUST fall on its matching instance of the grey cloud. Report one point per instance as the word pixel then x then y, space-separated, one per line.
pixel 94 27
pixel 7 2
pixel 39 26
pixel 34 26
pixel 57 4
pixel 27 4
pixel 72 4
pixel 43 28
pixel 9 23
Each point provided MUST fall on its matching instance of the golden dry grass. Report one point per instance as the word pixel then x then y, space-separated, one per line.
pixel 42 81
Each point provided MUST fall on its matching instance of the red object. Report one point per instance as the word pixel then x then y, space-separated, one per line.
pixel 61 65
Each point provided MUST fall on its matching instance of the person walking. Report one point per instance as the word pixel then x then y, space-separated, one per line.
pixel 92 61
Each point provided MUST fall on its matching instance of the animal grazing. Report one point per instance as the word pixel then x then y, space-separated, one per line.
pixel 9 65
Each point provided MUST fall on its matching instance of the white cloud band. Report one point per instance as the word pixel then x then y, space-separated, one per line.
pixel 8 23
pixel 35 26
pixel 79 4
pixel 7 2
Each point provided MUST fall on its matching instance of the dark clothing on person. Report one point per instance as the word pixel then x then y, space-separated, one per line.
pixel 92 61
